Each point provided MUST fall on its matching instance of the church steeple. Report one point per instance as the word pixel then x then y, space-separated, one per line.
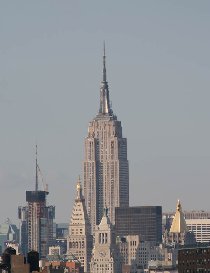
pixel 105 108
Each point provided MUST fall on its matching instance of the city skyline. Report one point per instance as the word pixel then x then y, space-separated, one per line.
pixel 158 70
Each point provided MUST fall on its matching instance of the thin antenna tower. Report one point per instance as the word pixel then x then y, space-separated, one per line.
pixel 36 185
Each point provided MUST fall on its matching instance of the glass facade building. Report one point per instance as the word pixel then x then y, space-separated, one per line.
pixel 145 221
pixel 39 222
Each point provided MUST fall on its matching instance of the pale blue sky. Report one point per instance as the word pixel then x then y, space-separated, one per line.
pixel 158 67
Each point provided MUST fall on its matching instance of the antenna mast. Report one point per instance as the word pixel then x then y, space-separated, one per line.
pixel 36 185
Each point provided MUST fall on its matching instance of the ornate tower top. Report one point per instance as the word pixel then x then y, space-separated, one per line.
pixel 79 190
pixel 179 207
pixel 79 212
pixel 179 223
pixel 105 212
pixel 105 221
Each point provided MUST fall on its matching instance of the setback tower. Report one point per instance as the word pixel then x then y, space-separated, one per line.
pixel 106 171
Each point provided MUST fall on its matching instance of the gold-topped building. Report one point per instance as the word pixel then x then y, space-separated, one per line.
pixel 179 233
pixel 79 241
pixel 179 224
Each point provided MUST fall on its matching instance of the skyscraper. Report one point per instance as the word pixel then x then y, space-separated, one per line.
pixel 23 235
pixel 106 172
pixel 79 241
pixel 39 219
pixel 145 221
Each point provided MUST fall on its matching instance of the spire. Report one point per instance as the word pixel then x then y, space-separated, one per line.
pixel 105 212
pixel 178 207
pixel 105 219
pixel 36 185
pixel 79 189
pixel 104 64
pixel 105 107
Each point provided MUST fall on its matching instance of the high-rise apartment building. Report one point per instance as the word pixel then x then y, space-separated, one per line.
pixel 106 172
pixel 39 219
pixel 194 258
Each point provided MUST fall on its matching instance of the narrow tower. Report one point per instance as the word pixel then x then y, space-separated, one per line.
pixel 106 172
pixel 79 241
pixel 105 256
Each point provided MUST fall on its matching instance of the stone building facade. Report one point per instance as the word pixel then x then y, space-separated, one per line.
pixel 79 241
pixel 105 255
pixel 106 173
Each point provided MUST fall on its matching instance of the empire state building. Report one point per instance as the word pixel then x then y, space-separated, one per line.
pixel 106 170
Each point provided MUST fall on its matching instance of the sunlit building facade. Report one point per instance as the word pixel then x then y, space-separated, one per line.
pixel 106 172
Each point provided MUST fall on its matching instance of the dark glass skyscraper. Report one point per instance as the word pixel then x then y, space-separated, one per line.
pixel 145 221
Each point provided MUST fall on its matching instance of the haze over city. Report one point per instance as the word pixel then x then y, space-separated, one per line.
pixel 158 68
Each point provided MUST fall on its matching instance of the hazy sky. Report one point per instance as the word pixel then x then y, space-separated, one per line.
pixel 158 68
